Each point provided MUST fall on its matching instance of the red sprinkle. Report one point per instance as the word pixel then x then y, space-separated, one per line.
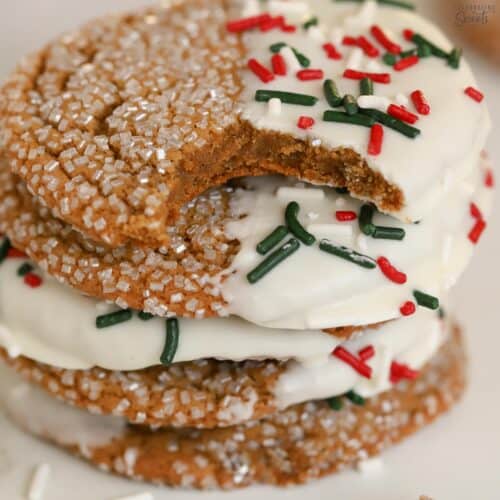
pixel 366 353
pixel 271 23
pixel 400 371
pixel 476 232
pixel 420 103
pixel 408 308
pixel 350 41
pixel 279 64
pixel 331 51
pixel 32 280
pixel 367 47
pixel 408 35
pixel 288 28
pixel 261 71
pixel 357 364
pixel 14 253
pixel 489 180
pixel 376 139
pixel 382 38
pixel 310 74
pixel 391 272
pixel 402 113
pixel 363 43
pixel 345 215
pixel 475 211
pixel 247 23
pixel 359 75
pixel 406 62
pixel 474 94
pixel 305 122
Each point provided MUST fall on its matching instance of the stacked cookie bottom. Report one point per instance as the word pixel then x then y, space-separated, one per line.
pixel 304 442
pixel 186 393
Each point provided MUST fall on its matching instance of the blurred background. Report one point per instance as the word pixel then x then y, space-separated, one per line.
pixel 459 457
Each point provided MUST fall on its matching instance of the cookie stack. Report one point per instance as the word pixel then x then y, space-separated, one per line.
pixel 230 231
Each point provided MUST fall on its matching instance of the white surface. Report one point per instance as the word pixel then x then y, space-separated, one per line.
pixel 457 458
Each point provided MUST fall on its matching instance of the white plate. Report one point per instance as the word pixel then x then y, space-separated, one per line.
pixel 456 458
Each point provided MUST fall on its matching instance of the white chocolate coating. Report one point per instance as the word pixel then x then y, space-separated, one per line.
pixel 452 135
pixel 313 289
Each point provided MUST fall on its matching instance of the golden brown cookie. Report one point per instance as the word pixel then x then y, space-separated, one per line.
pixel 186 277
pixel 118 124
pixel 205 393
pixel 174 280
pixel 306 442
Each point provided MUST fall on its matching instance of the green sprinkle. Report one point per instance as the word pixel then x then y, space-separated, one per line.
pixel 426 300
pixel 312 22
pixel 286 97
pixel 272 260
pixel 335 403
pixel 424 50
pixel 171 342
pixel 355 398
pixel 435 50
pixel 454 58
pixel 347 254
pixel 276 47
pixel 296 228
pixel 303 60
pixel 343 190
pixel 391 122
pixel 441 313
pixel 114 318
pixel 332 94
pixel 389 59
pixel 350 104
pixel 394 3
pixel 366 86
pixel 145 316
pixel 407 53
pixel 389 233
pixel 24 269
pixel 4 249
pixel 366 225
pixel 365 219
pixel 272 240
pixel 397 3
pixel 341 117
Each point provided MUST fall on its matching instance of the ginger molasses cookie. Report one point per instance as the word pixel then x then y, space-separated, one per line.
pixel 117 125
pixel 305 442
pixel 246 250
